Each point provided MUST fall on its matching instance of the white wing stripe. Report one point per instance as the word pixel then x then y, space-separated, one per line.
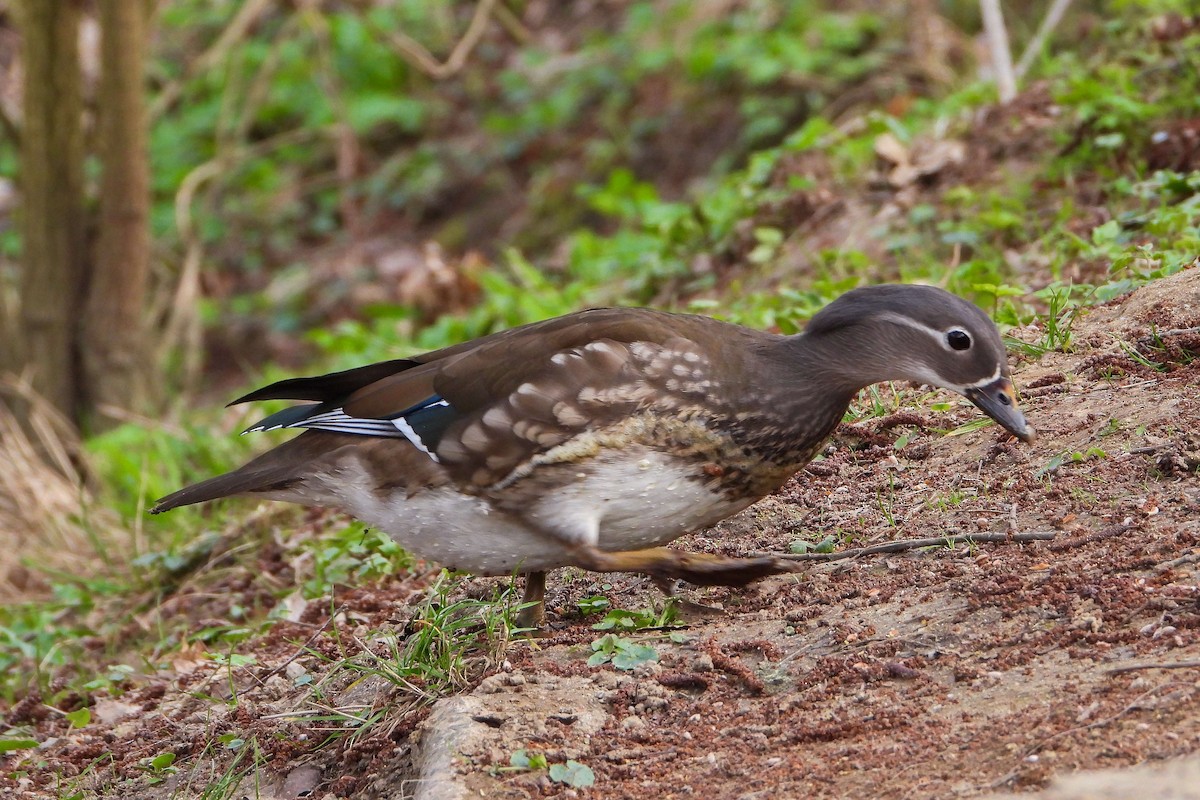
pixel 338 421
pixel 402 425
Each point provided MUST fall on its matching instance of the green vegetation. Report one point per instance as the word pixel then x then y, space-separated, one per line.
pixel 571 773
pixel 1058 203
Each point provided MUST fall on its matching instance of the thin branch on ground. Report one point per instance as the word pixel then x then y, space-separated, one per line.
pixel 1049 22
pixel 1190 558
pixel 304 648
pixel 915 544
pixel 1174 332
pixel 1093 536
pixel 1133 705
pixel 1164 665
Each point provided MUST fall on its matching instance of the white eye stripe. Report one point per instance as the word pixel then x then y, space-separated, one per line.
pixel 941 337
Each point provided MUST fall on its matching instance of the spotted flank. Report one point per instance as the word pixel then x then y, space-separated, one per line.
pixel 422 424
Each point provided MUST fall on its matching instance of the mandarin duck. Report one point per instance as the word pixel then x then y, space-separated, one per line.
pixel 596 438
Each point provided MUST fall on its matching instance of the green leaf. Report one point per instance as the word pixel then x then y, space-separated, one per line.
pixel 573 774
pixel 633 654
pixel 598 658
pixel 9 745
pixel 594 604
pixel 523 759
pixel 80 717
pixel 162 761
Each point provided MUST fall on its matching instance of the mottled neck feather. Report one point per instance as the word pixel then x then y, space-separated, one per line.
pixel 802 387
pixel 845 360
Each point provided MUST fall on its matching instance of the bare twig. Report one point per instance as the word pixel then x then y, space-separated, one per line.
pixel 997 39
pixel 1093 536
pixel 1165 665
pixel 512 23
pixel 915 544
pixel 415 53
pixel 1190 558
pixel 235 31
pixel 1053 16
pixel 1132 706
pixel 304 648
pixel 1174 332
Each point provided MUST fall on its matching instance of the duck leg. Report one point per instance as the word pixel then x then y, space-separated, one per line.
pixel 665 565
pixel 533 601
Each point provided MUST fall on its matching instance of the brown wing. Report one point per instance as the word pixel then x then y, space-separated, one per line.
pixel 523 392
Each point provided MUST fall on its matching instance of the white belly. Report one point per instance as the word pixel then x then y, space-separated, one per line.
pixel 618 505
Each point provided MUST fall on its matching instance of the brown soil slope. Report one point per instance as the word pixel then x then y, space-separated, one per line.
pixel 927 673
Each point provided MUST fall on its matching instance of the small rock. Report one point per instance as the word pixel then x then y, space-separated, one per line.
pixel 702 663
pixel 633 722
pixel 607 680
pixel 647 669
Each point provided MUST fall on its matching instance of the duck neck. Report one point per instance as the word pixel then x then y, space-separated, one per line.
pixel 839 362
pixel 811 385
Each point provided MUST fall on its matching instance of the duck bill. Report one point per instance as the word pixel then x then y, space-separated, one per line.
pixel 998 401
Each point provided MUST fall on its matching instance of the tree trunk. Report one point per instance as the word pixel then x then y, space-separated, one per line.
pixel 53 230
pixel 114 347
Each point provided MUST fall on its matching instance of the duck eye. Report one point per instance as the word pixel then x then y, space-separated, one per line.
pixel 958 340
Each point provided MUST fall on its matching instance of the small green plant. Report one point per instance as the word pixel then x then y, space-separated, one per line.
pixel 573 774
pixel 353 555
pixel 593 605
pixel 1137 357
pixel 801 546
pixel 619 619
pixel 449 644
pixel 525 760
pixel 622 653
pixel 160 766
pixel 1069 457
pixel 1060 317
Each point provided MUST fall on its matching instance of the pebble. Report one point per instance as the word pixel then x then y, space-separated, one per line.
pixel 607 680
pixel 702 663
pixel 633 722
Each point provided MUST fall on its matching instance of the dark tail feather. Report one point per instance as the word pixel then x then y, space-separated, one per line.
pixel 335 386
pixel 274 470
pixel 227 485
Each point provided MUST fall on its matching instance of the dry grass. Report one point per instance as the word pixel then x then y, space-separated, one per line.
pixel 48 522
